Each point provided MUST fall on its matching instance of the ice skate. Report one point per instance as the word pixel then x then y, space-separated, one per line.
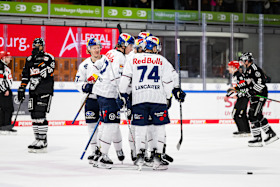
pixel 149 161
pixel 167 157
pixel 159 163
pixel 40 147
pixel 256 142
pixel 120 155
pixel 271 137
pixel 105 162
pixel 31 146
pixel 93 158
pixel 140 159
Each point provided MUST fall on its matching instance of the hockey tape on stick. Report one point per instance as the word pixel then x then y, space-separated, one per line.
pixel 97 124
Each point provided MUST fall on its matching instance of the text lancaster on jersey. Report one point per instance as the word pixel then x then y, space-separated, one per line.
pixel 147 86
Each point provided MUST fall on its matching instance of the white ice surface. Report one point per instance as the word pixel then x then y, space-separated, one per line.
pixel 209 156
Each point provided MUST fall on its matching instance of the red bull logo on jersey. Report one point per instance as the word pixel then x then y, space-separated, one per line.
pixel 147 60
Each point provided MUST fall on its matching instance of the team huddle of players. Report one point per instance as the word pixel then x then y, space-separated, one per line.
pixel 250 85
pixel 135 79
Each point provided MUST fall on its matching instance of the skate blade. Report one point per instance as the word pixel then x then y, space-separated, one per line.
pixel 90 161
pixel 255 145
pixel 4 133
pixel 95 164
pixel 44 150
pixel 275 138
pixel 242 135
pixel 104 166
pixel 149 164
pixel 160 167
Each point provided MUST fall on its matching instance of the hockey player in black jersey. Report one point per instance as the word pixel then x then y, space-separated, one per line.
pixel 239 112
pixel 38 72
pixel 255 80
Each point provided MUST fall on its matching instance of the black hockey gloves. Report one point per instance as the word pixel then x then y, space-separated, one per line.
pixel 179 94
pixel 122 101
pixel 250 93
pixel 87 88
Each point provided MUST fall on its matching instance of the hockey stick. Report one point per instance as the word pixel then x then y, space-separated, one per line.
pixel 21 101
pixel 254 95
pixel 80 108
pixel 179 71
pixel 119 28
pixel 126 118
pixel 97 124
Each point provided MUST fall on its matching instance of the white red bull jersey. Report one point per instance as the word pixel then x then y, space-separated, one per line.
pixel 111 68
pixel 152 78
pixel 85 75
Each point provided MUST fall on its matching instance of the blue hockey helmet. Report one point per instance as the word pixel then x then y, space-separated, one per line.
pixel 125 39
pixel 92 42
pixel 152 41
pixel 144 35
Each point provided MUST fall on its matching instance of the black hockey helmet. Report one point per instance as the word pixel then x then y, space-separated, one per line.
pixel 247 56
pixel 39 41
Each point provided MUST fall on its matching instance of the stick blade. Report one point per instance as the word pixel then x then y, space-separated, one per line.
pixel 119 28
pixel 179 144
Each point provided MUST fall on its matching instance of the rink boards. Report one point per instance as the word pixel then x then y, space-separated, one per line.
pixel 201 106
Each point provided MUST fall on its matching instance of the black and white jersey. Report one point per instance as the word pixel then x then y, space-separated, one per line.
pixel 6 78
pixel 255 79
pixel 240 83
pixel 38 71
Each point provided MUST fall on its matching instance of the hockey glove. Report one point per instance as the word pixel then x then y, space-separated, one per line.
pixel 21 93
pixel 169 102
pixel 121 101
pixel 250 93
pixel 179 94
pixel 87 88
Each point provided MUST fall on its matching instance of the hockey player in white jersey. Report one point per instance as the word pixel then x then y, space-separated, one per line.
pixel 179 95
pixel 106 89
pixel 84 81
pixel 152 84
pixel 138 48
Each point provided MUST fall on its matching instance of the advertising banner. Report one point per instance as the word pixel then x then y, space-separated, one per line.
pixel 75 10
pixel 126 13
pixel 23 8
pixel 129 13
pixel 60 41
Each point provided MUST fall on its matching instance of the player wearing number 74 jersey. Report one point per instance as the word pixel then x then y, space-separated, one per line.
pixel 152 83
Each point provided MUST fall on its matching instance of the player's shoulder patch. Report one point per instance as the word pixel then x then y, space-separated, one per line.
pixel 257 74
pixel 29 58
pixel 50 55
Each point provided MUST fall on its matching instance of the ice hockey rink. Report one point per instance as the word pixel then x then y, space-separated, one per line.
pixel 209 156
